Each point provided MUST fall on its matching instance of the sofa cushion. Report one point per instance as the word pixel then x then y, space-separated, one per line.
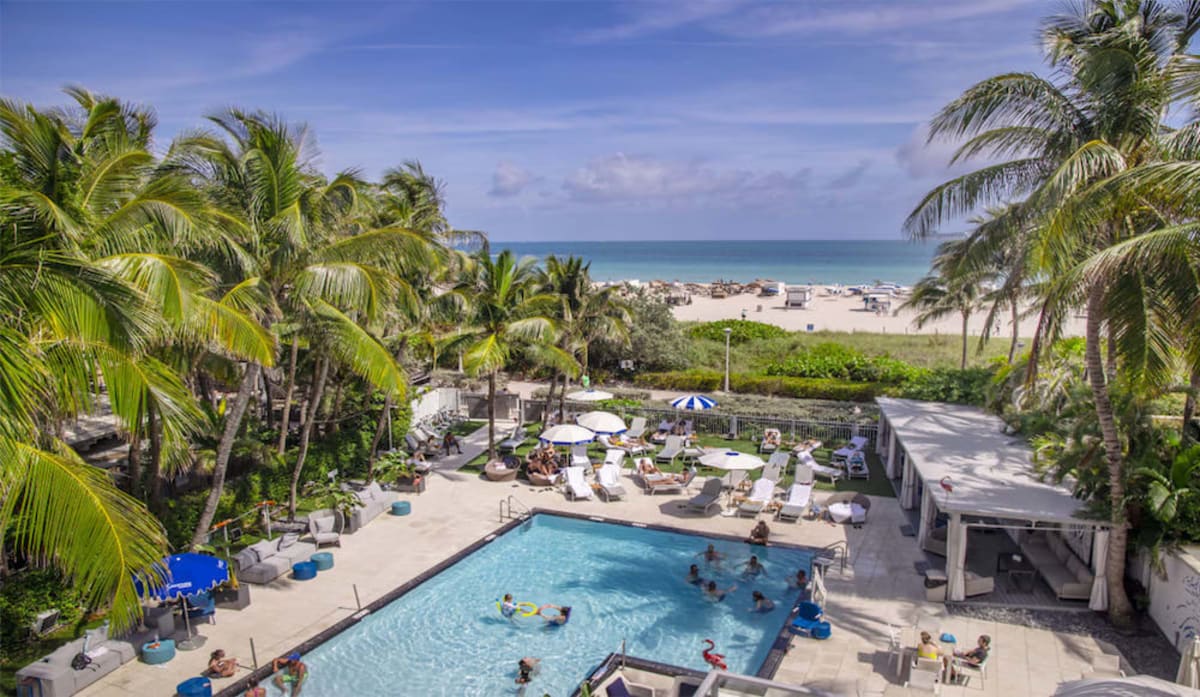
pixel 288 539
pixel 263 550
pixel 1057 576
pixel 375 490
pixel 300 551
pixel 1059 547
pixel 324 524
pixel 1075 567
pixel 245 559
pixel 364 496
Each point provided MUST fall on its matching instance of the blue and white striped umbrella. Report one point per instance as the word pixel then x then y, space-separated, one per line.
pixel 694 402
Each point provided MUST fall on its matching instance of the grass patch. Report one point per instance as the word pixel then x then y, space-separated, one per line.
pixel 466 428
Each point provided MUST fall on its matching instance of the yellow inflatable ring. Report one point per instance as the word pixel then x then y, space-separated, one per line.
pixel 523 609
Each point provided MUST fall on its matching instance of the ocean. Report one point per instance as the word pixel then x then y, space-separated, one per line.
pixel 791 261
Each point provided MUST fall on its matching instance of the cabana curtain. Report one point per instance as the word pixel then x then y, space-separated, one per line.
pixel 928 515
pixel 908 486
pixel 956 558
pixel 1099 599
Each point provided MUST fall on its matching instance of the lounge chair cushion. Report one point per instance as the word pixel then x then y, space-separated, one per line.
pixel 288 539
pixel 324 524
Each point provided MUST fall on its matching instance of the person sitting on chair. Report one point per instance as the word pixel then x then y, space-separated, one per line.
pixel 926 648
pixel 449 441
pixel 974 657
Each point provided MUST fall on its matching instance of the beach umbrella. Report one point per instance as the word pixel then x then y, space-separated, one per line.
pixel 602 422
pixel 186 574
pixel 1140 685
pixel 567 434
pixel 589 395
pixel 1189 665
pixel 731 461
pixel 694 402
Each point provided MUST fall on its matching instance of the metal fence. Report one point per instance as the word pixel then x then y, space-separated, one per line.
pixel 751 426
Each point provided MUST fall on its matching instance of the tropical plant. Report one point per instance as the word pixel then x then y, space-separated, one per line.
pixel 954 287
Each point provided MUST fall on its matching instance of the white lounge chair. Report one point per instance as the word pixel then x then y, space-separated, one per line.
pixel 625 446
pixel 614 456
pixel 770 441
pixel 516 438
pixel 776 465
pixel 579 456
pixel 856 466
pixel 609 478
pixel 760 495
pixel 637 427
pixel 577 487
pixel 798 499
pixel 709 496
pixel 804 474
pixel 671 450
pixel 833 473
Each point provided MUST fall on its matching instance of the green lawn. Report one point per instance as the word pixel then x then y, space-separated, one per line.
pixel 877 485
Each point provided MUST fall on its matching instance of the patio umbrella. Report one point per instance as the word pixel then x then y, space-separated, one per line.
pixel 694 402
pixel 731 460
pixel 589 395
pixel 602 422
pixel 186 574
pixel 1140 685
pixel 1189 665
pixel 567 434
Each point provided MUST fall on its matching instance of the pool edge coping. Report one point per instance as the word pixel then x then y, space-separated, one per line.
pixel 767 670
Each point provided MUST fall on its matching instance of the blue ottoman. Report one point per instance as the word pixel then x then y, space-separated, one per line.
pixel 401 508
pixel 323 560
pixel 304 571
pixel 194 687
pixel 163 652
pixel 822 631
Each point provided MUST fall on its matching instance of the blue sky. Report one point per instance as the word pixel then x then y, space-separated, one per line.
pixel 567 120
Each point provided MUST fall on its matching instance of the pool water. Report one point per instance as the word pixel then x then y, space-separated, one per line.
pixel 446 636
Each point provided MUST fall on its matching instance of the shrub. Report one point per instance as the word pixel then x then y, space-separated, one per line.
pixel 656 340
pixel 801 388
pixel 830 360
pixel 24 595
pixel 968 386
pixel 743 331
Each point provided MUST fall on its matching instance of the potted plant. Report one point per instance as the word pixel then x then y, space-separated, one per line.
pixel 395 470
pixel 329 494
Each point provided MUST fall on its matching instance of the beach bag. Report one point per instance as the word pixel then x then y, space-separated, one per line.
pixel 81 661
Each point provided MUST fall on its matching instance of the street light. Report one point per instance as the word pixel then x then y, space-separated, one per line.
pixel 728 331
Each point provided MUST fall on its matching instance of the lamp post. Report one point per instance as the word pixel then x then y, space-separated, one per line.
pixel 728 331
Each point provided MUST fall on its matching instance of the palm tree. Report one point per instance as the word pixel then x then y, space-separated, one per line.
pixel 504 311
pixel 952 288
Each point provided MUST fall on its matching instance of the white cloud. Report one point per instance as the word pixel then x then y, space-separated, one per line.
pixel 856 19
pixel 655 17
pixel 509 180
pixel 641 179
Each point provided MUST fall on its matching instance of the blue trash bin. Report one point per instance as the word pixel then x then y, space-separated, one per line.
pixel 194 687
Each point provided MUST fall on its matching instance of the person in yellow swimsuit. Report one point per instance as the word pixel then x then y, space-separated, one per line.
pixel 927 649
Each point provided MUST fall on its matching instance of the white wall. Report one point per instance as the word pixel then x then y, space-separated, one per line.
pixel 1175 600
pixel 433 401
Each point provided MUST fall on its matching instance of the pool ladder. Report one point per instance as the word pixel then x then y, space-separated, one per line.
pixel 827 556
pixel 511 508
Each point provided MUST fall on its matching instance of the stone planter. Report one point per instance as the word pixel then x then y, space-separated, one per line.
pixel 232 599
pixel 414 484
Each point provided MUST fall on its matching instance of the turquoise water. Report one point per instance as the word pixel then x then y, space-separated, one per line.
pixel 792 261
pixel 446 636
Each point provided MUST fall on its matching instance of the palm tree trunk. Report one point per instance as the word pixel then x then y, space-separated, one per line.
pixel 155 475
pixel 1189 403
pixel 550 397
pixel 135 461
pixel 233 423
pixel 1012 347
pixel 965 317
pixel 491 404
pixel 380 429
pixel 1110 358
pixel 337 406
pixel 267 407
pixel 562 400
pixel 1120 612
pixel 306 432
pixel 287 398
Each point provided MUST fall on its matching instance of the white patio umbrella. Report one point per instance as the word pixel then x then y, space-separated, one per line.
pixel 731 460
pixel 602 422
pixel 589 395
pixel 1140 685
pixel 694 402
pixel 567 434
pixel 1189 665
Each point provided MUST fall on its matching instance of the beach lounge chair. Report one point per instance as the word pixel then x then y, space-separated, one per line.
pixel 614 456
pixel 709 496
pixel 776 466
pixel 671 485
pixel 609 478
pixel 325 527
pixel 577 487
pixel 770 441
pixel 663 431
pixel 637 427
pixel 670 451
pixel 856 466
pixel 516 438
pixel 626 446
pixel 807 460
pixel 843 453
pixel 417 445
pixel 579 456
pixel 798 498
pixel 760 496
pixel 804 474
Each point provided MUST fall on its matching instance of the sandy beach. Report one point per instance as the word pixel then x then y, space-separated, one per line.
pixel 841 314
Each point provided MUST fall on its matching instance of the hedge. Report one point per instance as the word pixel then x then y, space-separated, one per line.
pixel 742 330
pixel 800 388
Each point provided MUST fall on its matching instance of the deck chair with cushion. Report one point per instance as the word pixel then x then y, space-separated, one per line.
pixel 760 495
pixel 516 438
pixel 324 528
pixel 416 445
pixel 803 475
pixel 624 446
pixel 856 466
pixel 709 496
pixel 609 478
pixel 579 456
pixel 577 487
pixel 671 450
pixel 672 485
pixel 833 473
pixel 798 499
pixel 637 427
pixel 770 440
pixel 614 456
pixel 776 465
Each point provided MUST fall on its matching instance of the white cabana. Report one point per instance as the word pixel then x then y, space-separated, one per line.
pixel 969 468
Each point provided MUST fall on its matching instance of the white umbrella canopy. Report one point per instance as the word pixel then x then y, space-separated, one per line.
pixel 1136 686
pixel 589 395
pixel 567 434
pixel 1189 665
pixel 731 460
pixel 602 422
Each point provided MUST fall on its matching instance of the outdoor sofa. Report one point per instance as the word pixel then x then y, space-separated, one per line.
pixel 1065 573
pixel 57 678
pixel 267 560
pixel 374 501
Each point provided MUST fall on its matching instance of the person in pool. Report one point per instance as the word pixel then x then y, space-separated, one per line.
pixel 762 603
pixel 716 594
pixel 753 567
pixel 526 667
pixel 711 555
pixel 693 576
pixel 292 673
pixel 800 582
pixel 558 618
pixel 507 607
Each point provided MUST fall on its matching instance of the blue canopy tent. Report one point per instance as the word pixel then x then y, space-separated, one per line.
pixel 186 575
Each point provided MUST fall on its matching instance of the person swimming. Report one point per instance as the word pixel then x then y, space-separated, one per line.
pixel 715 594
pixel 526 667
pixel 753 567
pixel 507 607
pixel 557 619
pixel 693 576
pixel 762 603
pixel 711 555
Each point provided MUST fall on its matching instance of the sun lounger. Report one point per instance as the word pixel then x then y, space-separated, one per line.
pixel 760 495
pixel 807 460
pixel 856 466
pixel 770 441
pixel 626 446
pixel 516 438
pixel 670 451
pixel 709 496
pixel 579 456
pixel 417 445
pixel 577 487
pixel 804 474
pixel 670 484
pixel 859 442
pixel 614 456
pixel 798 499
pixel 777 465
pixel 609 477
pixel 637 427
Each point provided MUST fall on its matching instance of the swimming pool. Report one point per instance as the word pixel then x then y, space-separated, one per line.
pixel 446 637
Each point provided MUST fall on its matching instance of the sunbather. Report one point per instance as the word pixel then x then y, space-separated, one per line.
pixel 926 648
pixel 759 535
pixel 221 667
pixel 753 567
pixel 652 474
pixel 762 603
pixel 715 594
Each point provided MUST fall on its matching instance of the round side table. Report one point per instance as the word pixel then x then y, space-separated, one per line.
pixel 194 687
pixel 323 560
pixel 401 508
pixel 156 652
pixel 304 571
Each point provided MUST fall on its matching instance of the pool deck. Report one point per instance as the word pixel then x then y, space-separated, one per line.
pixel 879 586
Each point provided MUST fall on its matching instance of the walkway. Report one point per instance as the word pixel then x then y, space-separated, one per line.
pixel 472 446
pixel 879 587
